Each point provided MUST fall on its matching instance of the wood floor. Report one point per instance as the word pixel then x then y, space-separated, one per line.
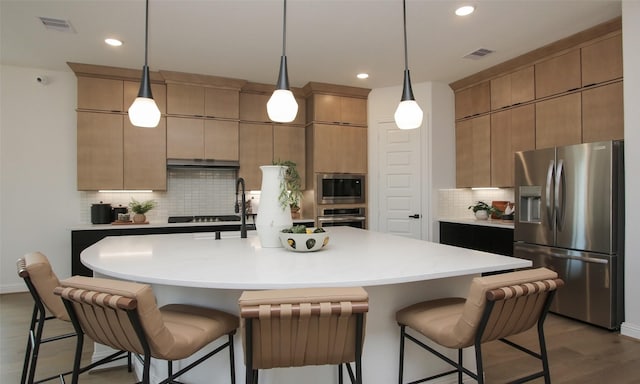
pixel 578 353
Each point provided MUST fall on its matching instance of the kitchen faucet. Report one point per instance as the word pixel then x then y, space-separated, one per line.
pixel 243 225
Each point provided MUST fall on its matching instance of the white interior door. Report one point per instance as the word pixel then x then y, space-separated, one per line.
pixel 400 210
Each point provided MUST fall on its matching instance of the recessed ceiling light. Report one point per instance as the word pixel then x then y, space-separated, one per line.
pixel 465 10
pixel 113 42
pixel 362 75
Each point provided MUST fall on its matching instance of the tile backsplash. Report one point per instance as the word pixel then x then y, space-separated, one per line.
pixel 454 203
pixel 189 192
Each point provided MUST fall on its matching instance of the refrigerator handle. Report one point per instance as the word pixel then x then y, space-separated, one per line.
pixel 549 198
pixel 559 195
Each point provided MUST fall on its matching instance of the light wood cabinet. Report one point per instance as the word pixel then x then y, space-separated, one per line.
pixel 113 154
pixel 289 144
pixel 339 149
pixel 474 100
pixel 221 103
pixel 558 74
pixel 335 109
pixel 100 151
pixel 145 156
pixel 559 121
pixel 512 89
pixel 194 138
pixel 100 94
pixel 473 152
pixel 256 149
pixel 185 100
pixel 603 113
pixel 262 144
pixel 221 140
pixel 602 61
pixel 512 130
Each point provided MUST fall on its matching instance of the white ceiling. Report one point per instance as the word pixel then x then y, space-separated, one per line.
pixel 327 40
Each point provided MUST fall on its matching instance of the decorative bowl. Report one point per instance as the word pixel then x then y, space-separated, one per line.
pixel 304 242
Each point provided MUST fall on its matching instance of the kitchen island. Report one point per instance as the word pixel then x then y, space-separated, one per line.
pixel 396 271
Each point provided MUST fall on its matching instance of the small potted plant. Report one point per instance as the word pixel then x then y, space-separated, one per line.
pixel 482 210
pixel 140 208
pixel 290 189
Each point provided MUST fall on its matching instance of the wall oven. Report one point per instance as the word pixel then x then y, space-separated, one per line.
pixel 341 188
pixel 334 217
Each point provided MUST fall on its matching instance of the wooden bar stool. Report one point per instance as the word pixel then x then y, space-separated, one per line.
pixel 300 327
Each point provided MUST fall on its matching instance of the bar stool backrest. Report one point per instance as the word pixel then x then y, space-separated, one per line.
pixel 36 270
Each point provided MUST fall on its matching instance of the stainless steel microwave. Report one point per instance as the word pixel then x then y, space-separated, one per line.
pixel 341 188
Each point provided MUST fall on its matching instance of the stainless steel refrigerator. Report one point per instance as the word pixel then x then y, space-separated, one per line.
pixel 570 218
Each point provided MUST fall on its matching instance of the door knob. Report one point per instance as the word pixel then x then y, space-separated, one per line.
pixel 414 216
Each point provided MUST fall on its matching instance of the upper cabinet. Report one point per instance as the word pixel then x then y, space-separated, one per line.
pixel 567 92
pixel 335 104
pixel 336 133
pixel 474 100
pixel 202 101
pixel 603 113
pixel 558 74
pixel 602 61
pixel 112 153
pixel 512 89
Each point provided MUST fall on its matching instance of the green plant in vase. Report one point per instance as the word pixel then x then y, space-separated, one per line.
pixel 483 210
pixel 291 186
pixel 140 209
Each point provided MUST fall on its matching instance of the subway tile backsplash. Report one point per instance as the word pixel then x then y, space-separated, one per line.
pixel 454 203
pixel 189 192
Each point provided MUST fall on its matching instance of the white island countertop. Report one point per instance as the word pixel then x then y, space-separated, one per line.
pixel 353 257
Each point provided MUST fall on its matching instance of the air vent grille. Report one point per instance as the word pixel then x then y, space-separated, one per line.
pixel 57 24
pixel 478 54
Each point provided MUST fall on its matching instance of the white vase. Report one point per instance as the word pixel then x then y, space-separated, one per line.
pixel 272 217
pixel 482 215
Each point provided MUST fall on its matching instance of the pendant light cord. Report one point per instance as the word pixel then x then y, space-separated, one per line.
pixel 404 23
pixel 146 32
pixel 284 29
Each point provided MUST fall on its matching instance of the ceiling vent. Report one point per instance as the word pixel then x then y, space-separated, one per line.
pixel 57 24
pixel 478 54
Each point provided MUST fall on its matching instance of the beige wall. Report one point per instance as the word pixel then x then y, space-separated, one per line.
pixel 38 197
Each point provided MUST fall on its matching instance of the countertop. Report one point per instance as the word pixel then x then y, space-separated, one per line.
pixel 487 223
pixel 353 257
pixel 161 224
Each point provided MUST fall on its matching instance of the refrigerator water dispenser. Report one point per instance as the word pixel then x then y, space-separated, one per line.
pixel 530 203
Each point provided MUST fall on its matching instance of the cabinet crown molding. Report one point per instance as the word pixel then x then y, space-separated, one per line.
pixel 606 29
pixel 103 71
pixel 333 89
pixel 265 89
pixel 202 80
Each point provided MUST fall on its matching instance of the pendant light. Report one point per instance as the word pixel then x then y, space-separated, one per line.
pixel 144 112
pixel 408 114
pixel 282 106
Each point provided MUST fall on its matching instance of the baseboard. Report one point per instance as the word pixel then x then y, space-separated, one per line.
pixel 630 330
pixel 13 288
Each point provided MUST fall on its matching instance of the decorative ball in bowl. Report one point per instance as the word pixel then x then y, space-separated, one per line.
pixel 308 240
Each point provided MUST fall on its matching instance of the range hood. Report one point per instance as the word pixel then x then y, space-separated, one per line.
pixel 202 164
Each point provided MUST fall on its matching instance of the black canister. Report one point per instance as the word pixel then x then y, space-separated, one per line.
pixel 101 213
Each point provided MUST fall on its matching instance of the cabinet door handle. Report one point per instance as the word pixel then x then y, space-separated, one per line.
pixel 414 216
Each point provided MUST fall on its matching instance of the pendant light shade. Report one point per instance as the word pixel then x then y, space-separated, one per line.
pixel 408 114
pixel 144 112
pixel 282 106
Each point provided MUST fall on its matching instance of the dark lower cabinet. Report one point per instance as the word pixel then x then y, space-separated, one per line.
pixel 479 237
